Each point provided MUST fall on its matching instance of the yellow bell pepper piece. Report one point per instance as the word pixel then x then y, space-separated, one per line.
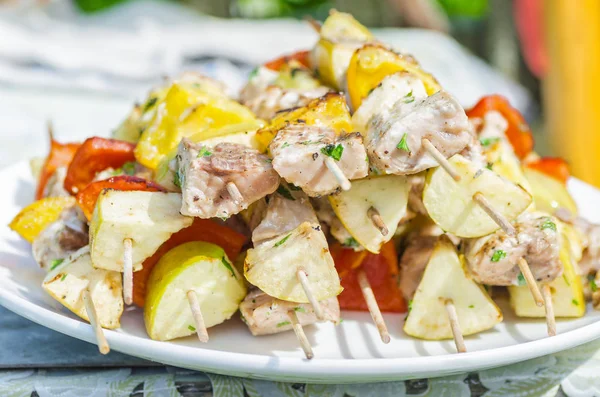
pixel 329 111
pixel 34 218
pixel 186 110
pixel 372 63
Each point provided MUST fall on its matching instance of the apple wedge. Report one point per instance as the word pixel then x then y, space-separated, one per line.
pixel 66 283
pixel 444 279
pixel 567 291
pixel 388 195
pixel 273 264
pixel 451 206
pixel 195 266
pixel 549 194
pixel 147 218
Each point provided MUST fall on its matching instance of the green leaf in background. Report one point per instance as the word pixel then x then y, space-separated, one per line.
pixel 465 8
pixel 281 8
pixel 90 6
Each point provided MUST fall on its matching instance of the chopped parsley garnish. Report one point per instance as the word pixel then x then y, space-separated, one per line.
pixel 294 71
pixel 498 254
pixel 521 280
pixel 204 152
pixel 128 168
pixel 548 224
pixel 299 309
pixel 192 328
pixel 489 166
pixel 283 240
pixel 294 187
pixel 488 141
pixel 471 306
pixel 253 73
pixel 575 302
pixel 402 145
pixel 283 324
pixel 285 193
pixel 63 277
pixel 409 98
pixel 333 151
pixel 227 265
pixel 309 142
pixel 177 179
pixel 285 144
pixel 592 281
pixel 410 303
pixel 151 102
pixel 55 263
pixel 566 280
pixel 351 242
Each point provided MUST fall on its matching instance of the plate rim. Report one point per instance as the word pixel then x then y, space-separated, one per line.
pixel 325 370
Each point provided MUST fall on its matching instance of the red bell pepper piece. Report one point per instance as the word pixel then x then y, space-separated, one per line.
pixel 300 56
pixel 61 155
pixel 518 132
pixel 555 167
pixel 87 197
pixel 94 155
pixel 201 230
pixel 382 272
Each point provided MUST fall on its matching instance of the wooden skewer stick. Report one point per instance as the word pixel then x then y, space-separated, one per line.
pixel 455 326
pixel 234 192
pixel 299 331
pixel 497 217
pixel 338 173
pixel 440 158
pixel 550 320
pixel 377 221
pixel 128 271
pixel 531 283
pixel 367 292
pixel 301 274
pixel 103 346
pixel 201 330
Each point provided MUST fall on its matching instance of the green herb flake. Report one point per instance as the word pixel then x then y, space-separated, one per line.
pixel 253 73
pixel 192 328
pixel 283 324
pixel 283 240
pixel 333 151
pixel 56 263
pixel 204 152
pixel 227 265
pixel 294 187
pixel 63 277
pixel 409 98
pixel 548 224
pixel 285 193
pixel 410 305
pixel 489 166
pixel 402 145
pixel 299 309
pixel 285 144
pixel 498 255
pixel 521 279
pixel 485 142
pixel 471 306
pixel 566 280
pixel 575 302
pixel 351 242
pixel 151 102
pixel 177 179
pixel 128 168
pixel 592 281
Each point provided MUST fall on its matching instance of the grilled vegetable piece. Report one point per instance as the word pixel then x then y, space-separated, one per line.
pixel 493 259
pixel 567 291
pixel 300 151
pixel 445 279
pixel 87 197
pixel 394 140
pixel 195 266
pixel 147 218
pixel 554 167
pixel 549 194
pixel 34 218
pixel 186 110
pixel 328 111
pixel 387 195
pixel 206 175
pixel 340 36
pixel 60 156
pixel 66 282
pixel 371 63
pixel 265 315
pixel 205 230
pixel 96 154
pixel 272 265
pixel 450 204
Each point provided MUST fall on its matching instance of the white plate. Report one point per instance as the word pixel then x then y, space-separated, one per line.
pixel 350 352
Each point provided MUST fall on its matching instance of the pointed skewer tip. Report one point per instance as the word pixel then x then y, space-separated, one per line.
pixel 103 346
pixel 373 307
pixel 201 330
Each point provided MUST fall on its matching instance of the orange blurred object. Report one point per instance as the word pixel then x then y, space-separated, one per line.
pixel 96 154
pixel 201 230
pixel 301 56
pixel 61 155
pixel 87 197
pixel 382 272
pixel 518 131
pixel 555 167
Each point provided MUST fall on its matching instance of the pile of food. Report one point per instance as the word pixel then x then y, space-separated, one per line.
pixel 344 177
